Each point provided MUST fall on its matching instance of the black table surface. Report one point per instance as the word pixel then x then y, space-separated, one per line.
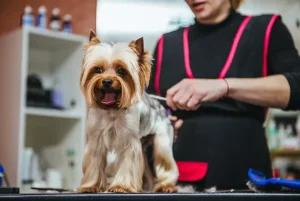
pixel 155 197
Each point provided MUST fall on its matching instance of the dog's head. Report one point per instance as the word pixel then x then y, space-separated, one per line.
pixel 114 76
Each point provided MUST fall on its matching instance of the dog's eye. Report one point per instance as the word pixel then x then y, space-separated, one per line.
pixel 121 71
pixel 98 70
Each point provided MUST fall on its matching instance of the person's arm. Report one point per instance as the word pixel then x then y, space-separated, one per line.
pixel 282 88
pixel 271 91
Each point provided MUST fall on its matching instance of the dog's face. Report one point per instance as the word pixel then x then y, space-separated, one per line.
pixel 114 76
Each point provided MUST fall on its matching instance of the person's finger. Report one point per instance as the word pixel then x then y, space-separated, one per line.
pixel 170 94
pixel 174 89
pixel 185 98
pixel 196 107
pixel 172 118
pixel 178 124
pixel 170 103
pixel 193 103
pixel 177 97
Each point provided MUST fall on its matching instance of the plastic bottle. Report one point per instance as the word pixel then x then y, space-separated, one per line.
pixel 297 126
pixel 27 17
pixel 55 23
pixel 272 135
pixel 289 130
pixel 281 136
pixel 42 18
pixel 67 25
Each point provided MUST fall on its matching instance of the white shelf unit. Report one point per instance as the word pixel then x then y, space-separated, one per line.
pixel 56 58
pixel 282 113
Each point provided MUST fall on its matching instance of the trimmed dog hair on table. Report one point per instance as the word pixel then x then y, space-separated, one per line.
pixel 122 121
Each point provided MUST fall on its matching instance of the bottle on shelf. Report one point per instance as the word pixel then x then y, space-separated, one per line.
pixel 297 126
pixel 27 17
pixel 281 136
pixel 67 25
pixel 272 135
pixel 42 18
pixel 55 22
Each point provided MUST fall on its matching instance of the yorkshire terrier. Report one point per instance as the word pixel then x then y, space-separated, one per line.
pixel 122 118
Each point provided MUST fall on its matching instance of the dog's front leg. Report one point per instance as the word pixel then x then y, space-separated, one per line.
pixel 165 166
pixel 94 179
pixel 129 177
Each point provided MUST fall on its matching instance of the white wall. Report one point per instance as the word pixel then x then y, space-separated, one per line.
pixel 125 20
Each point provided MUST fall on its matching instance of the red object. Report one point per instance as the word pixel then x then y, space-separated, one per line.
pixel 191 171
pixel 276 173
pixel 158 64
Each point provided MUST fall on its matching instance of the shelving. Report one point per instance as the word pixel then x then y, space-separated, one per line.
pixel 281 113
pixel 56 58
pixel 53 113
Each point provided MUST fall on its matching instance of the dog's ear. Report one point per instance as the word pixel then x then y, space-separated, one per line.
pixel 93 38
pixel 138 46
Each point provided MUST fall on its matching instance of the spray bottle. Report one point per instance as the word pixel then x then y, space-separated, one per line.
pixel 42 18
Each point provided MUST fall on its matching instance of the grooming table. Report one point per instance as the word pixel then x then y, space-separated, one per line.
pixel 236 196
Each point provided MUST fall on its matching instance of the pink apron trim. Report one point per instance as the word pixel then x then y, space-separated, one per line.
pixel 266 48
pixel 158 64
pixel 186 53
pixel 266 44
pixel 191 171
pixel 229 58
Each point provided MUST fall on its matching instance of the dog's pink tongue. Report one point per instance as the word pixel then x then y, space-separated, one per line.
pixel 109 98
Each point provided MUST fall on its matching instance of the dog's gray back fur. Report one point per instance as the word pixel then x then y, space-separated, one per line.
pixel 153 115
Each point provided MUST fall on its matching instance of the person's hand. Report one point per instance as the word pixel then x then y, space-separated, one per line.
pixel 188 94
pixel 177 123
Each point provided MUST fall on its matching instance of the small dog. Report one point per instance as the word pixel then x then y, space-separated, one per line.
pixel 120 116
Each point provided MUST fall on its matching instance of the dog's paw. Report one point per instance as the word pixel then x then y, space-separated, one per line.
pixel 170 188
pixel 121 189
pixel 89 190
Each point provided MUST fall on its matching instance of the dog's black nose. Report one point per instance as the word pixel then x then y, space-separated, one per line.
pixel 107 83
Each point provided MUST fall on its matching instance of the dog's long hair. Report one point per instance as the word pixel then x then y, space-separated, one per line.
pixel 118 64
pixel 120 115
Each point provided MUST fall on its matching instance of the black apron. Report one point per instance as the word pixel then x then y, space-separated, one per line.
pixel 217 145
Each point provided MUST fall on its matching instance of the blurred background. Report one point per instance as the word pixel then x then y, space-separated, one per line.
pixel 42 111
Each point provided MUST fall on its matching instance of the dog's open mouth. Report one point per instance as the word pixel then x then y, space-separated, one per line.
pixel 110 97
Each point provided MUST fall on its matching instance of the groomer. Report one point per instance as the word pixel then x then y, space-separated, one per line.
pixel 219 76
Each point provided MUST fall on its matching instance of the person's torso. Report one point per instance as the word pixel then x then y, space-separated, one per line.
pixel 226 133
pixel 209 50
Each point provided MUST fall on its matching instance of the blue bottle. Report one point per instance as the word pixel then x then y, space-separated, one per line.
pixel 1 174
pixel 67 25
pixel 28 18
pixel 42 18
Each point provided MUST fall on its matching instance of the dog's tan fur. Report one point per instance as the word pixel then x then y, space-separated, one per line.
pixel 114 160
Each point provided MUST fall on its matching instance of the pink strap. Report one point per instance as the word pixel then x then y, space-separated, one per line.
pixel 266 44
pixel 229 58
pixel 266 48
pixel 234 46
pixel 186 53
pixel 158 64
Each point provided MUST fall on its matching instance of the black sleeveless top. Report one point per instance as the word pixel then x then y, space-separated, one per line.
pixel 227 135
